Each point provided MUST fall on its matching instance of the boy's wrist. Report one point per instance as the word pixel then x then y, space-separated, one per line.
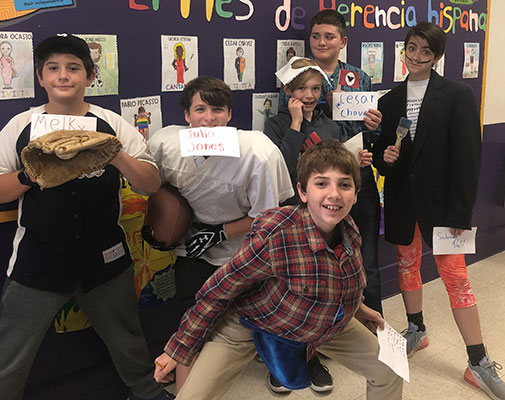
pixel 25 179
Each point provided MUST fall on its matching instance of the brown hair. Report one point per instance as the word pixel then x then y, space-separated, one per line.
pixel 430 32
pixel 329 17
pixel 212 90
pixel 325 155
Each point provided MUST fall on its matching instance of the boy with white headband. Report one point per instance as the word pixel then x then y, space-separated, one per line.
pixel 304 123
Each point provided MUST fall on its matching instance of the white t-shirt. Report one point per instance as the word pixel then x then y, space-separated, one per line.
pixel 415 95
pixel 224 189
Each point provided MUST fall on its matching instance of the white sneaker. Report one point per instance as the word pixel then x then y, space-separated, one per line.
pixel 485 377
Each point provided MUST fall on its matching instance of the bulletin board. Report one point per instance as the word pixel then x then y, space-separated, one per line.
pixel 209 33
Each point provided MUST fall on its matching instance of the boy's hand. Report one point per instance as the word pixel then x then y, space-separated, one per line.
pixel 456 231
pixel 372 119
pixel 365 158
pixel 370 318
pixel 164 365
pixel 391 154
pixel 295 108
pixel 204 239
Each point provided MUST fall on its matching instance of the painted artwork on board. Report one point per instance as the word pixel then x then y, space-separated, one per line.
pixel 372 58
pixel 239 63
pixel 103 50
pixel 179 61
pixel 16 65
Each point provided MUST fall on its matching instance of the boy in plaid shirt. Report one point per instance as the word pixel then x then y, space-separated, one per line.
pixel 297 282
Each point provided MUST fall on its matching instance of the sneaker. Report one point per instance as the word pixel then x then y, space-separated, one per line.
pixel 485 377
pixel 276 386
pixel 162 396
pixel 321 380
pixel 416 340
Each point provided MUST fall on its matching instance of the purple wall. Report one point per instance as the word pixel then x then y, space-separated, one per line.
pixel 139 46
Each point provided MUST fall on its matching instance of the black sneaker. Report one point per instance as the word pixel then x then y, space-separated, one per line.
pixel 319 376
pixel 276 386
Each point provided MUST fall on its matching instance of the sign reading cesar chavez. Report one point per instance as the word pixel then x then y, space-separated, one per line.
pixel 351 106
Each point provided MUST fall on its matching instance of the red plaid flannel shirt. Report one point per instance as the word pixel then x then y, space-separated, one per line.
pixel 284 279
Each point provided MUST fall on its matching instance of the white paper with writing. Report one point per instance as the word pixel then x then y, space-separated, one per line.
pixel 218 141
pixel 355 145
pixel 393 351
pixel 46 123
pixel 446 243
pixel 351 106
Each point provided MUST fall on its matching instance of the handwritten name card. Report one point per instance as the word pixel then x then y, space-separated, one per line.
pixel 444 242
pixel 46 123
pixel 217 141
pixel 352 106
pixel 393 351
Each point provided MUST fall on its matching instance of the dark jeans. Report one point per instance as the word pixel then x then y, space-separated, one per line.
pixel 26 314
pixel 366 214
pixel 190 275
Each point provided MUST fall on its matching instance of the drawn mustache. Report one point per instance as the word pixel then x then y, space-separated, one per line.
pixel 417 62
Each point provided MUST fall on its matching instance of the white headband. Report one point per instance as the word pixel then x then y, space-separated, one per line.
pixel 287 73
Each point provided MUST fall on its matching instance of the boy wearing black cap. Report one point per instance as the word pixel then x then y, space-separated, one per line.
pixel 68 241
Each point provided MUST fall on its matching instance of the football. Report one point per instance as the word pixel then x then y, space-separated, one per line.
pixel 168 218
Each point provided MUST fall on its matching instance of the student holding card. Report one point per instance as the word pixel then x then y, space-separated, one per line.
pixel 304 123
pixel 431 181
pixel 68 241
pixel 294 131
pixel 225 193
pixel 327 38
pixel 295 285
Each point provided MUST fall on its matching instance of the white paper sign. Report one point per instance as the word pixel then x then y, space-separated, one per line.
pixel 45 123
pixel 218 141
pixel 393 351
pixel 444 242
pixel 351 106
pixel 355 145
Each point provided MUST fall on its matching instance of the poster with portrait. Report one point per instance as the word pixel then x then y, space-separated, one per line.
pixel 286 49
pixel 144 113
pixel 471 63
pixel 239 63
pixel 179 61
pixel 16 65
pixel 372 58
pixel 103 50
pixel 401 70
pixel 264 107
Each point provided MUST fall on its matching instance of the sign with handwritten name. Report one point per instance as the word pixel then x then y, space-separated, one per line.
pixel 45 123
pixel 393 351
pixel 351 106
pixel 444 242
pixel 218 141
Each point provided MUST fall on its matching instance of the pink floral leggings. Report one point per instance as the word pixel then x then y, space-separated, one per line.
pixel 452 270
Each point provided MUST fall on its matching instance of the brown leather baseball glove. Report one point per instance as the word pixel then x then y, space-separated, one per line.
pixel 60 156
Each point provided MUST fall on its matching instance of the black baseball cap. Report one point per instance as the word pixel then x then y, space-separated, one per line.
pixel 63 43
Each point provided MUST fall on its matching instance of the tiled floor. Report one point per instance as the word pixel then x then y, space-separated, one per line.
pixel 436 372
